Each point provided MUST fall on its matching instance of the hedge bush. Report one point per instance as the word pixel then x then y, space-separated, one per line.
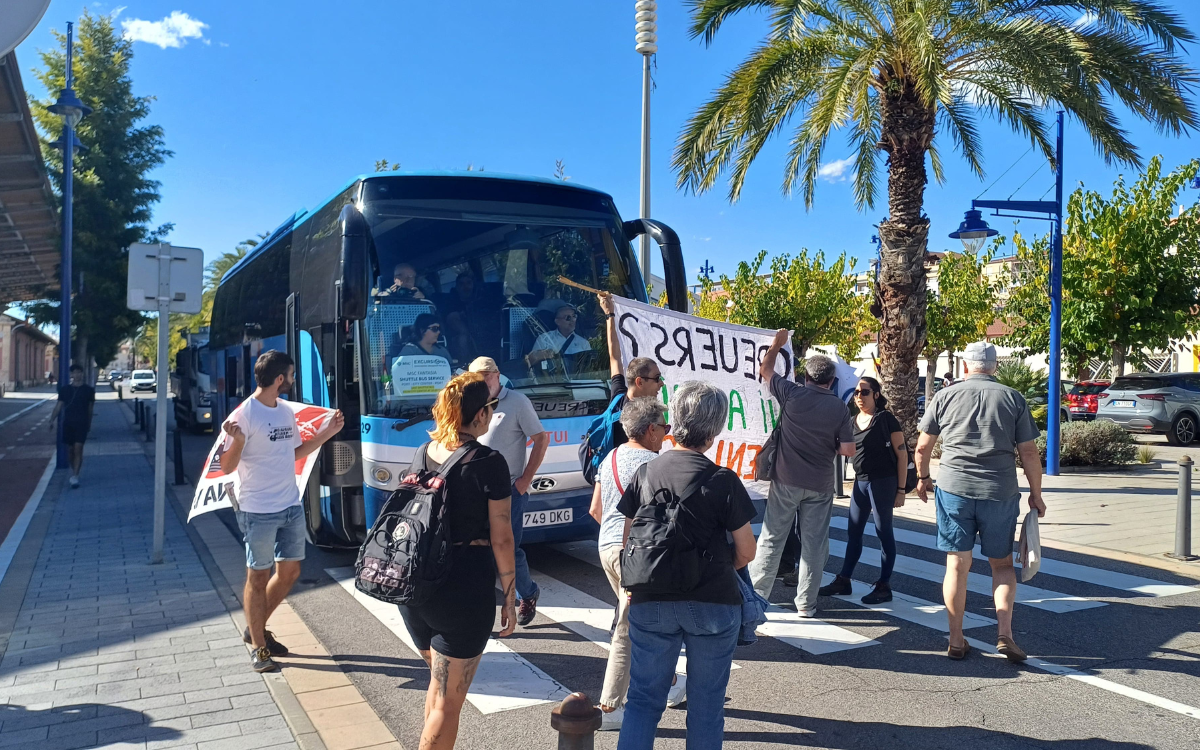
pixel 1097 443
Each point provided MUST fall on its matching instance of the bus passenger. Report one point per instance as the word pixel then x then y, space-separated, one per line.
pixel 562 340
pixel 452 629
pixel 422 338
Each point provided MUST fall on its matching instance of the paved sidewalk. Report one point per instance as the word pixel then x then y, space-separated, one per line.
pixel 108 650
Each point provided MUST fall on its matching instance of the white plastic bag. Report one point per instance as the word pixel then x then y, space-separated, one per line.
pixel 1030 554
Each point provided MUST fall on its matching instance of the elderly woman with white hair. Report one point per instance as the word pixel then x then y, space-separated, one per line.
pixel 706 616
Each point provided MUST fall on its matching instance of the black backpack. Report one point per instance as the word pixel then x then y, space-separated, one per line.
pixel 660 557
pixel 408 552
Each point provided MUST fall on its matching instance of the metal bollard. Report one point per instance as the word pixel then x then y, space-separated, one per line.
pixel 180 477
pixel 146 422
pixel 1183 512
pixel 576 721
pixel 137 412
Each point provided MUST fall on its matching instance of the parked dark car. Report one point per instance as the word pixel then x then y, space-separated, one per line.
pixel 1082 399
pixel 1154 403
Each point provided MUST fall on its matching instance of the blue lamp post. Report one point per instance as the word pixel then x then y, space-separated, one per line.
pixel 72 110
pixel 974 231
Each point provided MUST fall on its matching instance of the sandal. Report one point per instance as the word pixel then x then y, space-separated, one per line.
pixel 958 653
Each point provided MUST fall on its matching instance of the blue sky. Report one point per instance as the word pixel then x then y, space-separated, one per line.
pixel 270 108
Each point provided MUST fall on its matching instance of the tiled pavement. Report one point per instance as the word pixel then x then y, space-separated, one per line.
pixel 110 651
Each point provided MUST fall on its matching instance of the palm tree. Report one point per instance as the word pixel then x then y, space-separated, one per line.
pixel 894 74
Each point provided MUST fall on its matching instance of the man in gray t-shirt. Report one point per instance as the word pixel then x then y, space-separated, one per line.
pixel 983 426
pixel 814 428
pixel 514 424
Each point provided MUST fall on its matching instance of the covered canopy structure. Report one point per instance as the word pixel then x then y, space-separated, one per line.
pixel 29 219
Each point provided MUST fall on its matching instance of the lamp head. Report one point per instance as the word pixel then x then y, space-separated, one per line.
pixel 70 108
pixel 973 231
pixel 76 145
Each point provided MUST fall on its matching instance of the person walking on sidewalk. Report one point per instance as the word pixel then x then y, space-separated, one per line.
pixel 645 425
pixel 880 473
pixel 706 618
pixel 515 423
pixel 76 401
pixel 983 425
pixel 452 629
pixel 814 428
pixel 264 445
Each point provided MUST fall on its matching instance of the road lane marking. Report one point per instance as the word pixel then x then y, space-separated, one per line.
pixel 9 548
pixel 912 609
pixel 1100 682
pixel 1083 573
pixel 504 680
pixel 27 409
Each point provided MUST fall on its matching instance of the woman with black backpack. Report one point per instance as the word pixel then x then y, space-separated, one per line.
pixel 452 628
pixel 880 473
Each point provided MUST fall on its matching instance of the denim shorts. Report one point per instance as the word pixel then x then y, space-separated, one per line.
pixel 960 519
pixel 273 537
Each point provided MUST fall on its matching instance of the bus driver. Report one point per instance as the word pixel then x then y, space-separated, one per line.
pixel 562 340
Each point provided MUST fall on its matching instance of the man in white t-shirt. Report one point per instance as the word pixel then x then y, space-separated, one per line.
pixel 264 445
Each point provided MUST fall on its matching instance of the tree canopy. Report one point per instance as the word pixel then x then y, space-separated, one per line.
pixel 961 309
pixel 114 194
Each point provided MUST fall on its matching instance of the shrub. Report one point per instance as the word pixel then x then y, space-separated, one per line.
pixel 1097 443
pixel 1146 454
pixel 1023 379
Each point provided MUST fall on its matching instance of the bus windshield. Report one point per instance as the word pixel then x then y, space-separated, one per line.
pixel 464 279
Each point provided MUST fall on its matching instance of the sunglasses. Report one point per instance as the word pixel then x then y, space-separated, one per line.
pixel 864 392
pixel 657 379
pixel 434 328
pixel 492 403
pixel 666 428
pixel 568 317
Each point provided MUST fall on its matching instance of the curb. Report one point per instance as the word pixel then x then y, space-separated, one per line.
pixel 224 559
pixel 1120 468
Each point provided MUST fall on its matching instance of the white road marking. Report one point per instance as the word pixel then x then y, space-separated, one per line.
pixel 1082 573
pixel 504 680
pixel 912 609
pixel 27 409
pixel 9 548
pixel 1100 682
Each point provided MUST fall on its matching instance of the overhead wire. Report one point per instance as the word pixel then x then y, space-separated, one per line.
pixel 1027 179
pixel 1010 167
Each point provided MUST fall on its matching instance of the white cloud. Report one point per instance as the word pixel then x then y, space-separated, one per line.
pixel 836 171
pixel 172 31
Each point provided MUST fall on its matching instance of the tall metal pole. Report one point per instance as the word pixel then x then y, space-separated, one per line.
pixel 1053 402
pixel 64 321
pixel 644 207
pixel 162 385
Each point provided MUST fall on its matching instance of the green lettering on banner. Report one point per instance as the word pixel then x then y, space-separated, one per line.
pixel 740 409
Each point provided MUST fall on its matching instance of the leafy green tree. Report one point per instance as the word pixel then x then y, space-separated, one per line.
pixel 817 303
pixel 114 194
pixel 893 74
pixel 382 165
pixel 960 310
pixel 1131 271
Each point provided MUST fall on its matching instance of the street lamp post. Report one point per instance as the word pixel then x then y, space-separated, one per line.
pixel 973 231
pixel 646 44
pixel 72 110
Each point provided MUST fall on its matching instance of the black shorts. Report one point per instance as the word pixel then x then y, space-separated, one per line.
pixel 75 432
pixel 457 621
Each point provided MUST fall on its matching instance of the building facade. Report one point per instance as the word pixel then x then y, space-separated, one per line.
pixel 28 355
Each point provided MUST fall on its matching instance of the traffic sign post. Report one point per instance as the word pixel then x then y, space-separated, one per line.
pixel 165 279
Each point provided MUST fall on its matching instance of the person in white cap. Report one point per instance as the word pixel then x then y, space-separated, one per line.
pixel 514 424
pixel 984 426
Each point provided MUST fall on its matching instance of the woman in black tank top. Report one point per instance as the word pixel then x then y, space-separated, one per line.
pixel 452 629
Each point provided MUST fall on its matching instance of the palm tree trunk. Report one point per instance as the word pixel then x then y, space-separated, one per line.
pixel 907 131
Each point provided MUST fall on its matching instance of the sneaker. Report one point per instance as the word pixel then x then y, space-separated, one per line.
pixel 678 693
pixel 275 647
pixel 261 661
pixel 880 594
pixel 611 721
pixel 74 482
pixel 791 579
pixel 807 614
pixel 527 610
pixel 839 586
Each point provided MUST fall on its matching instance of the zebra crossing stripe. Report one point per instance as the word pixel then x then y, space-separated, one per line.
pixel 1083 573
pixel 504 680
pixel 1100 682
pixel 912 609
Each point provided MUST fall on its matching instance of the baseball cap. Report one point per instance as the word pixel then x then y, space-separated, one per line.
pixel 980 351
pixel 483 364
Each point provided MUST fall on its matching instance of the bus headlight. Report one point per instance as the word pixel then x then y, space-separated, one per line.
pixel 382 475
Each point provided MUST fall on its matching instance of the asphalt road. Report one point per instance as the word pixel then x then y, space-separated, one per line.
pixel 863 679
pixel 26 444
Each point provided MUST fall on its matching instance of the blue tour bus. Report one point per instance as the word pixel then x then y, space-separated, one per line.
pixel 340 288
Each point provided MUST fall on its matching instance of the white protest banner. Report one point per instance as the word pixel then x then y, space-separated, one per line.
pixel 724 354
pixel 217 490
